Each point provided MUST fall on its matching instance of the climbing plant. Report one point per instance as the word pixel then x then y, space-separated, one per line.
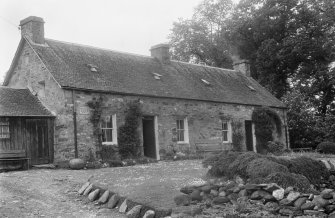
pixel 96 112
pixel 266 120
pixel 128 135
pixel 237 136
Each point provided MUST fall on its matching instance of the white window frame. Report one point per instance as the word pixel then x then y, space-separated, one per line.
pixel 186 133
pixel 4 130
pixel 114 129
pixel 228 130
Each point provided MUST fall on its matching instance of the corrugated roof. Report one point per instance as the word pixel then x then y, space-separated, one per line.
pixel 118 72
pixel 20 102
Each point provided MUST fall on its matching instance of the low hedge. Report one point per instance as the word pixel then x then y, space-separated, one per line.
pixel 262 167
pixel 326 147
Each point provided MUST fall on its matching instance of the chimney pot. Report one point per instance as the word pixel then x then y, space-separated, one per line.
pixel 33 28
pixel 161 52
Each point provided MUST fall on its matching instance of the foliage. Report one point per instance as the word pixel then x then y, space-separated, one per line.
pixel 262 167
pixel 326 147
pixel 109 152
pixel 240 164
pixel 219 163
pixel 276 148
pixel 96 111
pixel 314 170
pixel 237 136
pixel 263 117
pixel 285 180
pixel 128 134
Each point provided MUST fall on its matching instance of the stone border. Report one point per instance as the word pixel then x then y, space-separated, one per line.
pixel 112 200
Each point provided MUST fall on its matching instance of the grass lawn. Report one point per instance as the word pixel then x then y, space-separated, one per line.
pixel 152 184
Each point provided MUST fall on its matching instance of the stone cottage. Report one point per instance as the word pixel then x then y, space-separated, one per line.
pixel 186 107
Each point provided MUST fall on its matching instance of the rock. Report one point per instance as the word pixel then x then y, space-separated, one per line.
pixel 187 189
pixel 285 202
pixel 272 206
pixel 134 212
pixel 222 194
pixel 288 190
pixel 299 202
pixel 236 190
pixel 88 189
pixel 195 195
pixel 233 197
pixel 243 193
pixel 251 187
pixel 327 196
pixel 269 198
pixel 214 193
pixel 311 197
pixel 220 200
pixel 94 195
pixel 326 191
pixel 191 210
pixel 113 201
pixel 149 214
pixel 104 197
pixel 292 196
pixel 82 189
pixel 239 180
pixel 290 211
pixel 123 207
pixel 307 206
pixel 314 213
pixel 329 208
pixel 258 195
pixel 271 187
pixel 206 189
pixel 320 202
pixel 182 200
pixel 278 194
pixel 77 164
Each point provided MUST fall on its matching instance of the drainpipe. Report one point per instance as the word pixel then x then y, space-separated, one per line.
pixel 75 126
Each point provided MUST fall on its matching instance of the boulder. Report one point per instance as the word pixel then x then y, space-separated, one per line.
pixel 299 202
pixel 94 195
pixel 113 201
pixel 220 200
pixel 320 202
pixel 271 187
pixel 191 210
pixel 329 208
pixel 88 190
pixel 307 206
pixel 278 194
pixel 258 195
pixel 77 164
pixel 123 207
pixel 195 195
pixel 149 214
pixel 82 189
pixel 104 197
pixel 206 189
pixel 182 200
pixel 292 196
pixel 134 212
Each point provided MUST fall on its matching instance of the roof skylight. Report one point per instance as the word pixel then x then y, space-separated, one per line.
pixel 157 76
pixel 205 81
pixel 93 68
pixel 251 88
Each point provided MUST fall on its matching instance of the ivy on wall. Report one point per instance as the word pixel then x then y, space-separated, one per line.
pixel 237 135
pixel 266 121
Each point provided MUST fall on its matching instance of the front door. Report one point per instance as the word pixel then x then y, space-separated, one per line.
pixel 149 142
pixel 249 135
pixel 37 141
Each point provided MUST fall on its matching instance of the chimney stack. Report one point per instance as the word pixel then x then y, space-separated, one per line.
pixel 33 28
pixel 161 52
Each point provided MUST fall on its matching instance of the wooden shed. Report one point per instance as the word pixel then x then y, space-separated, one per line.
pixel 26 130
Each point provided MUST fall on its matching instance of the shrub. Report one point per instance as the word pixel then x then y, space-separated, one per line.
pixel 276 148
pixel 109 152
pixel 300 182
pixel 326 147
pixel 262 167
pixel 240 164
pixel 220 163
pixel 283 161
pixel 314 170
pixel 128 134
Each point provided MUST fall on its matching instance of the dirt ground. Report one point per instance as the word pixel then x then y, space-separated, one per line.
pixel 52 193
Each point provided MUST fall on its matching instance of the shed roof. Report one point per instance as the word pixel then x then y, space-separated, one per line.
pixel 89 68
pixel 20 102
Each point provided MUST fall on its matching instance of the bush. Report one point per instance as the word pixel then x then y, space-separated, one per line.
pixel 219 163
pixel 314 170
pixel 240 164
pixel 300 182
pixel 326 147
pixel 109 152
pixel 283 161
pixel 262 167
pixel 276 148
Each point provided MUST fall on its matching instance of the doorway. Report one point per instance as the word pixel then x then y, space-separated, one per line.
pixel 249 139
pixel 149 139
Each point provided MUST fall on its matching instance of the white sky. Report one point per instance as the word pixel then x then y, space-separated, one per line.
pixel 123 25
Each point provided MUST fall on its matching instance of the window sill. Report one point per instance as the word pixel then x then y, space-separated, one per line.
pixel 179 143
pixel 109 143
pixel 227 142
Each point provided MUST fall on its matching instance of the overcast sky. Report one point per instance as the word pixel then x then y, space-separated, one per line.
pixel 122 25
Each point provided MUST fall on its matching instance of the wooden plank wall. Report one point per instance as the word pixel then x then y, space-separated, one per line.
pixel 17 135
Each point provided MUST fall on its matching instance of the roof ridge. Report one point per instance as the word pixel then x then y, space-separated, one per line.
pixel 206 66
pixel 104 49
pixel 6 87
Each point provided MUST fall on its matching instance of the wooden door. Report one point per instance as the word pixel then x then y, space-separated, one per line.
pixel 37 141
pixel 149 142
pixel 249 135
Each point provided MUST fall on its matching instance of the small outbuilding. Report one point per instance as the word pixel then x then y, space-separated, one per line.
pixel 26 130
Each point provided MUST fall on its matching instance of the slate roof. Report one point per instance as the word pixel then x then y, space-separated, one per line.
pixel 118 72
pixel 20 102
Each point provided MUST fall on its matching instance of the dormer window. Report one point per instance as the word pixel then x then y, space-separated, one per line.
pixel 92 67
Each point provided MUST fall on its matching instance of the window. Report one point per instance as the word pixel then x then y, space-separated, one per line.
pixel 226 131
pixel 108 128
pixel 182 131
pixel 4 129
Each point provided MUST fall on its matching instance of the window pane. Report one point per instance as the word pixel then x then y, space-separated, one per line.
pixel 224 126
pixel 107 135
pixel 180 124
pixel 109 123
pixel 180 135
pixel 224 136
